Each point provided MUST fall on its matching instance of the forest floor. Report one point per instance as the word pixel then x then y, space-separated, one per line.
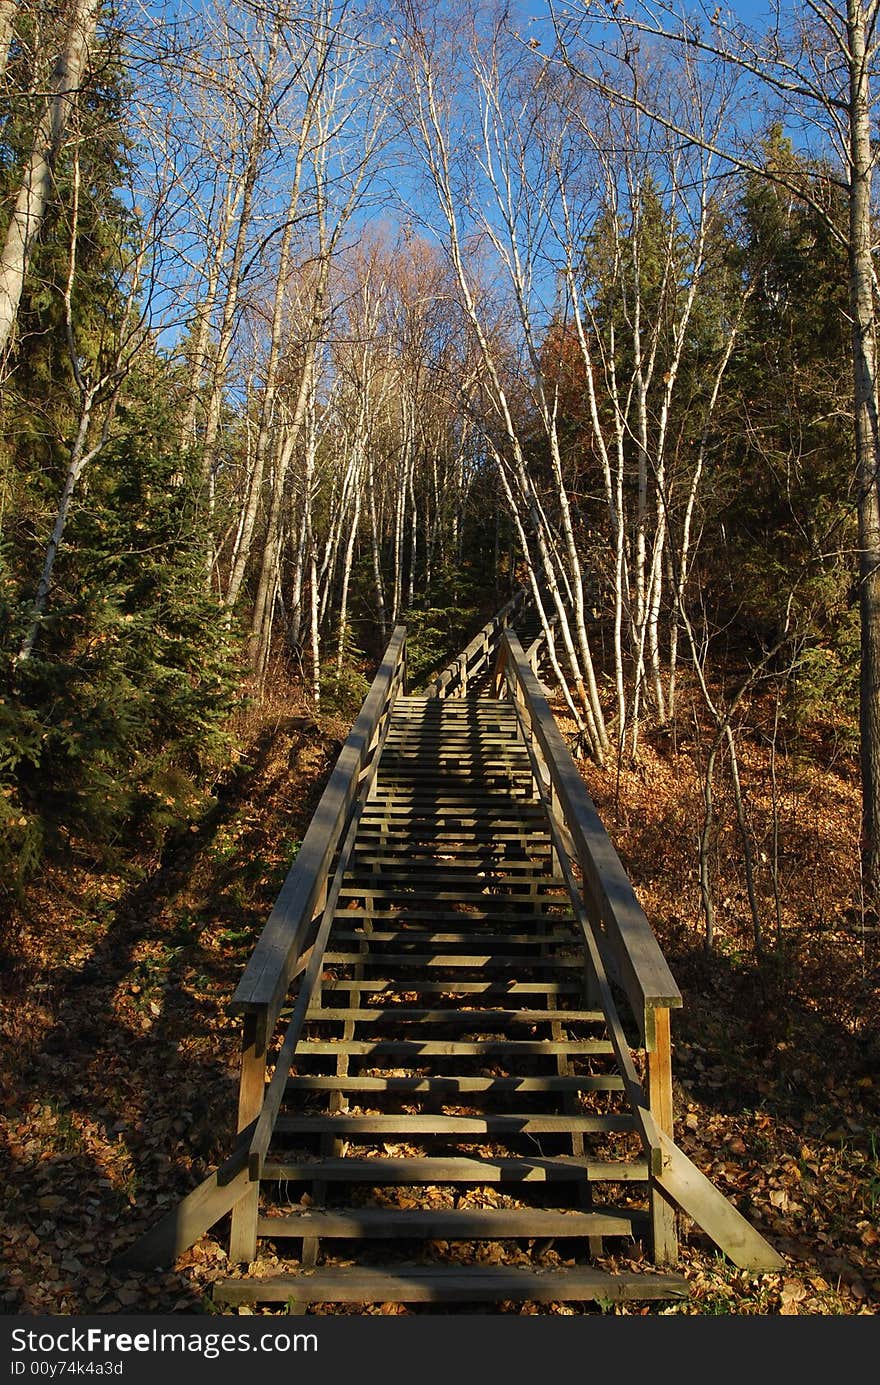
pixel 119 1066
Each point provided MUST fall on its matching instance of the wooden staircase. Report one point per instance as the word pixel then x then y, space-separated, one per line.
pixel 451 1050
pixel 456 1113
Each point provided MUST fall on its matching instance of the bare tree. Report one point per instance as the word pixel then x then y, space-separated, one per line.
pixel 816 63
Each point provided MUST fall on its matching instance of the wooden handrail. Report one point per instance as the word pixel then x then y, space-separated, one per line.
pixel 629 947
pixel 263 985
pixel 311 980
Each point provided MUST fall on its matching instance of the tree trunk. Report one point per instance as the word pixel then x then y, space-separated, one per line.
pixel 867 444
pixel 79 459
pixel 8 12
pixel 35 189
pixel 377 558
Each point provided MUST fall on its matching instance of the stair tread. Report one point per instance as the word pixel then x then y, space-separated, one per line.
pixel 343 1123
pixel 487 961
pixel 416 1015
pixel 458 1169
pixel 426 1283
pixel 452 986
pixel 449 1223
pixel 414 1048
pixel 453 1085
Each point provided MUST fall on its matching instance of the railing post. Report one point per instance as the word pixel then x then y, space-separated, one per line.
pixel 592 992
pixel 499 674
pixel 252 1087
pixel 659 1051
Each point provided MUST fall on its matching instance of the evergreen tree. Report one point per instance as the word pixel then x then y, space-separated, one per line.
pixel 788 527
pixel 116 720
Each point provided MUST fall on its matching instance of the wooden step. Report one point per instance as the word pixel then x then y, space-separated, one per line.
pixel 464 882
pixel 420 1171
pixel 418 1049
pixel 455 1085
pixel 436 866
pixel 494 839
pixel 452 986
pixel 428 807
pixel 405 1014
pixel 408 894
pixel 422 938
pixel 494 961
pixel 396 841
pixel 406 1126
pixel 483 753
pixel 457 798
pixel 358 1223
pixel 445 1284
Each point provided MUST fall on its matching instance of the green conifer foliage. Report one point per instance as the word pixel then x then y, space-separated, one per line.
pixel 786 434
pixel 119 717
pixel 115 725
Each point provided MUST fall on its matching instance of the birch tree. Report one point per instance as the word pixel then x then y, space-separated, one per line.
pixel 36 184
pixel 8 12
pixel 815 62
pixel 429 102
pixel 338 156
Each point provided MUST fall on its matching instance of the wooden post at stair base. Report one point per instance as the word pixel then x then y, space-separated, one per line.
pixel 663 1227
pixel 252 1087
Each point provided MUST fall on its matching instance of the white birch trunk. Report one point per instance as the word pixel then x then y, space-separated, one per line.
pixel 8 14
pixel 35 189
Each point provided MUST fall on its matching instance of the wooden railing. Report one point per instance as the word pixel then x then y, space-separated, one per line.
pixel 295 933
pixel 618 937
pixel 479 657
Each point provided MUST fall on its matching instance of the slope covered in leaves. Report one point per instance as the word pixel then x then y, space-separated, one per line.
pixel 120 1062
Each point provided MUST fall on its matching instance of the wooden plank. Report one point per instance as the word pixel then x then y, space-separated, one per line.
pixel 465 880
pixel 456 1086
pixel 386 1169
pixel 453 986
pixel 664 1235
pixel 442 1048
pixel 358 1223
pixel 542 910
pixel 492 837
pixel 404 1014
pixel 486 961
pixel 251 1092
pixel 407 1125
pixel 688 1188
pixel 400 896
pixel 383 942
pixel 519 815
pixel 454 797
pixel 267 974
pixel 419 1284
pixel 465 749
pixel 422 938
pixel 467 867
